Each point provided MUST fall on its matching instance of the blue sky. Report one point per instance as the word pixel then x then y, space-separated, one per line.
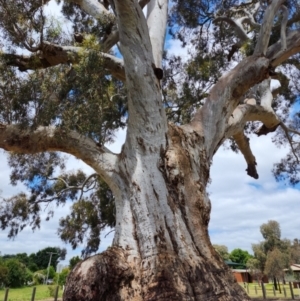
pixel 240 204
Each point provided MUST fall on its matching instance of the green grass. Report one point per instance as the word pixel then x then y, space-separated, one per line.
pixel 254 290
pixel 25 293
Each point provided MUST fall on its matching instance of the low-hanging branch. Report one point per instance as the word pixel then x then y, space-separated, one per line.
pixel 25 141
pixel 243 143
pixel 50 55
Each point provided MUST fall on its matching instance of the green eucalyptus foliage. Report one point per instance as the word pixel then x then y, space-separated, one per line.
pixel 88 218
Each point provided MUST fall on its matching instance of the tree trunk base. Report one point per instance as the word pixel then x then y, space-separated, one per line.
pixel 109 277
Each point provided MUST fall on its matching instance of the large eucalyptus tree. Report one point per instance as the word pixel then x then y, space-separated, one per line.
pixel 79 92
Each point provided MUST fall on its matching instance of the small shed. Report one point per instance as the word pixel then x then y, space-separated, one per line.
pixel 242 275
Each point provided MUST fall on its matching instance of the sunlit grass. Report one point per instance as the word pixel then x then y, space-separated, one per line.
pixel 25 293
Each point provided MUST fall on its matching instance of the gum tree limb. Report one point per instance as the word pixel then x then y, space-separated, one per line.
pixel 243 143
pixel 52 55
pixel 15 138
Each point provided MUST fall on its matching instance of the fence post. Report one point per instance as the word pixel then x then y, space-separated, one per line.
pixel 284 291
pixel 33 293
pixel 274 291
pixel 255 289
pixel 291 289
pixel 6 294
pixel 263 291
pixel 247 288
pixel 56 293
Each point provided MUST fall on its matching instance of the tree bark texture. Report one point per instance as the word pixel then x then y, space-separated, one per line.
pixel 161 249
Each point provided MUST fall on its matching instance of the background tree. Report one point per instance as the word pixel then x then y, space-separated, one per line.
pixel 73 261
pixel 222 251
pixel 42 257
pixel 295 251
pixel 253 265
pixel 17 273
pixel 276 262
pixel 77 93
pixel 240 256
pixel 260 257
pixel 271 233
pixel 272 255
pixel 62 277
pixel 3 272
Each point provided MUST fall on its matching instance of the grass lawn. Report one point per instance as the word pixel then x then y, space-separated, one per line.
pixel 25 293
pixel 254 290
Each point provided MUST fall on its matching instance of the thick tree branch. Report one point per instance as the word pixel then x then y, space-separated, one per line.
pixel 143 3
pixel 52 55
pixel 266 96
pixel 250 16
pixel 237 26
pixel 266 27
pixel 144 92
pixel 157 15
pixel 25 141
pixel 285 14
pixel 276 53
pixel 246 112
pixel 224 98
pixel 238 23
pixel 113 38
pixel 92 7
pixel 97 10
pixel 243 143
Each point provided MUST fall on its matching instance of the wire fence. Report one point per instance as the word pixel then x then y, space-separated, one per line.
pixel 53 293
pixel 290 290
